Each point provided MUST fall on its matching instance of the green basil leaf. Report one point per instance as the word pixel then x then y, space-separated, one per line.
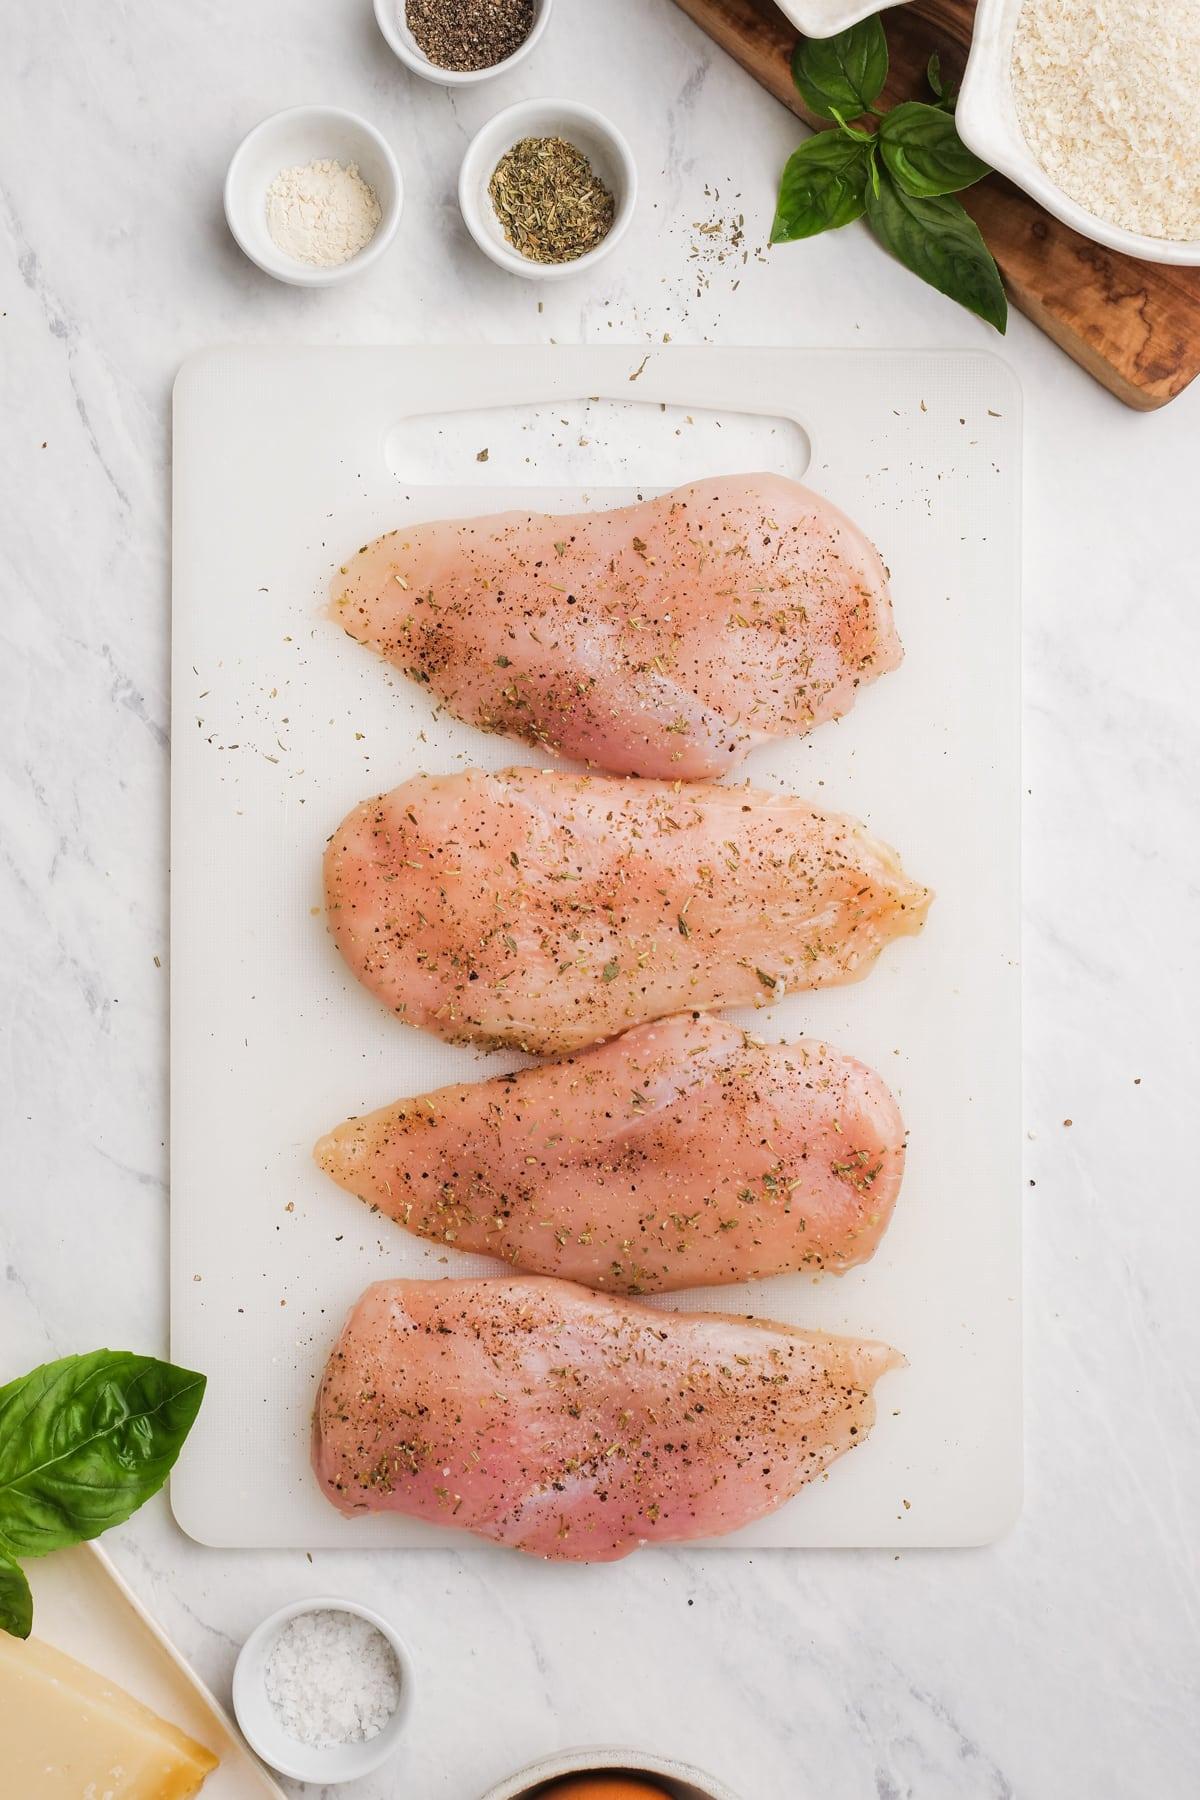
pixel 84 1441
pixel 822 187
pixel 923 152
pixel 937 240
pixel 946 92
pixel 16 1601
pixel 847 71
pixel 851 131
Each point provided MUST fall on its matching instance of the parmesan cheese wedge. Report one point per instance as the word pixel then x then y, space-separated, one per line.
pixel 68 1734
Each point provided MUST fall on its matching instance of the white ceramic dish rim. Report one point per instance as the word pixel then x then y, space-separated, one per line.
pixel 585 1762
pixel 336 1763
pixel 240 1772
pixel 504 128
pixel 389 18
pixel 286 268
pixel 988 124
pixel 822 19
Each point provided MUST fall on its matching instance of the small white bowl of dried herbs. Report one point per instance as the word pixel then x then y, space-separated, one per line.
pixel 548 188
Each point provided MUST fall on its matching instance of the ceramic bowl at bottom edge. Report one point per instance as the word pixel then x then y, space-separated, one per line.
pixel 683 1781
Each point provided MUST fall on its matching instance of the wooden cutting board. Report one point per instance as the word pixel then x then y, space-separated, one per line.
pixel 1134 325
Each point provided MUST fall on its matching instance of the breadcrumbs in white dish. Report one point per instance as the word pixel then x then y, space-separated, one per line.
pixel 1108 95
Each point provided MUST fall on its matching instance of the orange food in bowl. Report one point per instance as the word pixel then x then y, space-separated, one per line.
pixel 604 1787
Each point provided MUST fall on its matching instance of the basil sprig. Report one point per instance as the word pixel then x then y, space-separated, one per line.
pixel 946 96
pixel 83 1443
pixel 900 174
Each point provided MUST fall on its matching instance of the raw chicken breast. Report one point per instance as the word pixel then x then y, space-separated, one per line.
pixel 576 1426
pixel 548 911
pixel 683 1153
pixel 661 639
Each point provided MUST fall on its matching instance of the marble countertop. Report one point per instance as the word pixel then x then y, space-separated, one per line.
pixel 1060 1662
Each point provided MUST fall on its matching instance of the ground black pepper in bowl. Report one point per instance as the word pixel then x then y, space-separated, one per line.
pixel 464 35
pixel 551 204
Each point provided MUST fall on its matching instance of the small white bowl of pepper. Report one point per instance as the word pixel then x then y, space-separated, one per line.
pixel 548 188
pixel 460 42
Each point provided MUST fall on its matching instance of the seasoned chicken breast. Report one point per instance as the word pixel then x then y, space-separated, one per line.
pixel 662 639
pixel 576 1426
pixel 548 911
pixel 680 1154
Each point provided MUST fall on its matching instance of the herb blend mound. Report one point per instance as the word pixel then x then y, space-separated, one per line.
pixel 550 201
pixel 469 34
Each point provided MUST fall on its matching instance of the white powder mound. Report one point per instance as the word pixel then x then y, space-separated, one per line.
pixel 333 1679
pixel 1108 94
pixel 322 213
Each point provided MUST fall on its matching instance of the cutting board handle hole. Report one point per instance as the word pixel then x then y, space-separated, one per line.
pixel 591 444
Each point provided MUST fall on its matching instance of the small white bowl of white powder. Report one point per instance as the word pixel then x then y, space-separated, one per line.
pixel 323 1690
pixel 313 195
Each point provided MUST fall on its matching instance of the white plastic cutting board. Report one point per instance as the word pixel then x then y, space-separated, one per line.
pixel 287 460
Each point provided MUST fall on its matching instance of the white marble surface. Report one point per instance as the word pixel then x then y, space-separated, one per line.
pixel 1062 1661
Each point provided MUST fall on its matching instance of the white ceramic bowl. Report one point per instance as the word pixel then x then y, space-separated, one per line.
pixel 260 1723
pixel 390 17
pixel 988 122
pixel 291 139
pixel 681 1781
pixel 825 18
pixel 600 141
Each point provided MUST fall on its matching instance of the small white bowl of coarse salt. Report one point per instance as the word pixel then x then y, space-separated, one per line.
pixel 323 1690
pixel 1095 112
pixel 313 195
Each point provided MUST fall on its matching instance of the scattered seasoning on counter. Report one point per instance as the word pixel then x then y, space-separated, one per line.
pixel 1109 101
pixel 717 247
pixel 469 34
pixel 550 201
pixel 322 214
pixel 332 1678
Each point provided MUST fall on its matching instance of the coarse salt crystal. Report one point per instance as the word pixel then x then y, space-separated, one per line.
pixel 332 1678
